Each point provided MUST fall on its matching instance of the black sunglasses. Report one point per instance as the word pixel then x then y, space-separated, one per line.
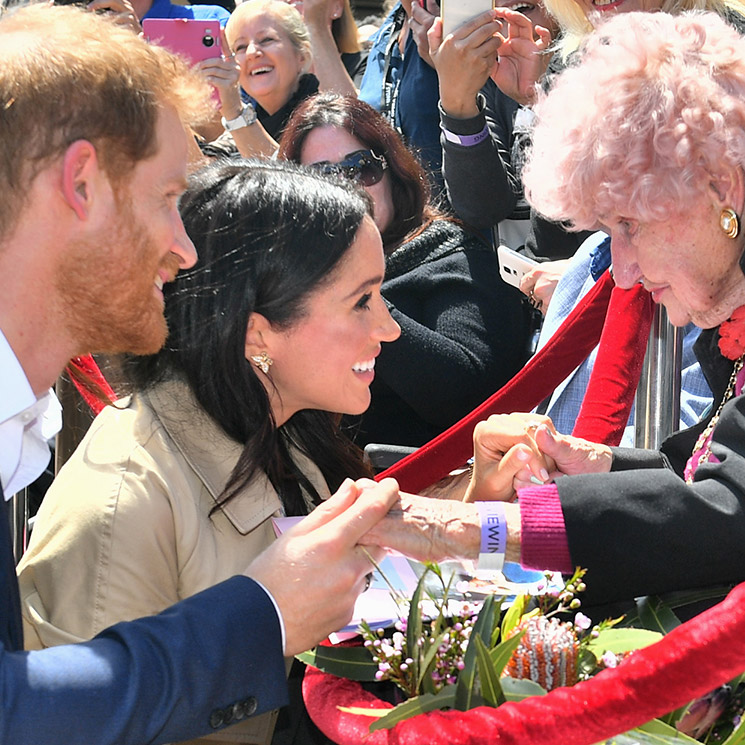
pixel 363 167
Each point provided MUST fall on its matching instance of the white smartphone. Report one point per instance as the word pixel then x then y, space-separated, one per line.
pixel 512 265
pixel 454 13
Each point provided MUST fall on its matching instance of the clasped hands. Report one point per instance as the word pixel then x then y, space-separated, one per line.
pixel 512 451
pixel 315 571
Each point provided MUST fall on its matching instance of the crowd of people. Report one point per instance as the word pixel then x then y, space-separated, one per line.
pixel 286 253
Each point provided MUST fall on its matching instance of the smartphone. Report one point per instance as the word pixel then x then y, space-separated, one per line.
pixel 512 265
pixel 192 39
pixel 456 12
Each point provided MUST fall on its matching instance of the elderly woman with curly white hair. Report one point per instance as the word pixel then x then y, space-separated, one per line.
pixel 646 139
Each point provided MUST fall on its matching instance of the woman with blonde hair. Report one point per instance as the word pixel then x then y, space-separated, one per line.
pixel 275 62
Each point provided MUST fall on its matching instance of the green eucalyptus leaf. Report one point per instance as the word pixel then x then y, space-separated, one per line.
pixel 501 654
pixel 362 712
pixel 414 625
pixel 622 640
pixel 496 632
pixel 491 689
pixel 514 613
pixel 653 733
pixel 517 690
pixel 655 615
pixel 415 706
pixel 465 687
pixel 354 663
pixel 424 681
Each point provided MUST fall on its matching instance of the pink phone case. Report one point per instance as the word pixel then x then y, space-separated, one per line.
pixel 187 37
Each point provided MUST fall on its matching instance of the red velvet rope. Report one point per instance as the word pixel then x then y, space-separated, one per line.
pixel 567 348
pixel 91 378
pixel 615 376
pixel 690 661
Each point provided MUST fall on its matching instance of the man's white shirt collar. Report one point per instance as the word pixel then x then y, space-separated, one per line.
pixel 26 424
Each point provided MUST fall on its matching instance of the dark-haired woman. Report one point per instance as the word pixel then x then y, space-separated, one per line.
pixel 462 328
pixel 229 425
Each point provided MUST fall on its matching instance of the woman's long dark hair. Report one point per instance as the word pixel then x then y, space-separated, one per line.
pixel 412 210
pixel 268 234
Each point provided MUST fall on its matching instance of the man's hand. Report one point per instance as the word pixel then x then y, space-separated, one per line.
pixel 317 569
pixel 420 22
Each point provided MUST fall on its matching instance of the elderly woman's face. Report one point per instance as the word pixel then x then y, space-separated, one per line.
pixel 591 7
pixel 333 144
pixel 687 263
pixel 270 63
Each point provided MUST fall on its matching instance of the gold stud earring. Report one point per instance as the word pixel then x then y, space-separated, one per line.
pixel 729 222
pixel 263 361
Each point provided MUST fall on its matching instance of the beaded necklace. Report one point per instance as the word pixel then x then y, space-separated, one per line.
pixel 732 346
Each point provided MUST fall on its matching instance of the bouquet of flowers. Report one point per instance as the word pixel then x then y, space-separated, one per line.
pixel 451 654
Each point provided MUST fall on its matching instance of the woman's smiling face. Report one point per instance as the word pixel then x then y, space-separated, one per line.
pixel 326 360
pixel 271 65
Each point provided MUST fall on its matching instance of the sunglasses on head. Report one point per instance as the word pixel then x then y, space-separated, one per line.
pixel 363 167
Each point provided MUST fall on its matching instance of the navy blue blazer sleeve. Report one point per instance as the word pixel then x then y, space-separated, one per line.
pixel 200 665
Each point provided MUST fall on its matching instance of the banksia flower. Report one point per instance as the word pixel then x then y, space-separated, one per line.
pixel 546 654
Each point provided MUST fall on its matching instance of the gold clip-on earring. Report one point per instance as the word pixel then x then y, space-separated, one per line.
pixel 729 222
pixel 263 361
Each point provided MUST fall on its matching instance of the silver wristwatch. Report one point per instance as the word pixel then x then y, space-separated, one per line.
pixel 245 119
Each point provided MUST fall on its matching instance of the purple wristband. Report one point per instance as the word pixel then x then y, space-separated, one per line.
pixel 493 536
pixel 466 140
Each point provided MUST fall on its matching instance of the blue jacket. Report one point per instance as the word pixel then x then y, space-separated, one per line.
pixel 167 9
pixel 202 664
pixel 406 91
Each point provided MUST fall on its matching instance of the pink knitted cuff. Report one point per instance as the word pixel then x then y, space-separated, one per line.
pixel 544 538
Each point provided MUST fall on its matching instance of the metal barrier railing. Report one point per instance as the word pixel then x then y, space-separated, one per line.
pixel 658 395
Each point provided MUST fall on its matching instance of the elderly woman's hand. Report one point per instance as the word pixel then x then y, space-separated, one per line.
pixel 503 447
pixel 464 60
pixel 428 529
pixel 570 456
pixel 522 56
